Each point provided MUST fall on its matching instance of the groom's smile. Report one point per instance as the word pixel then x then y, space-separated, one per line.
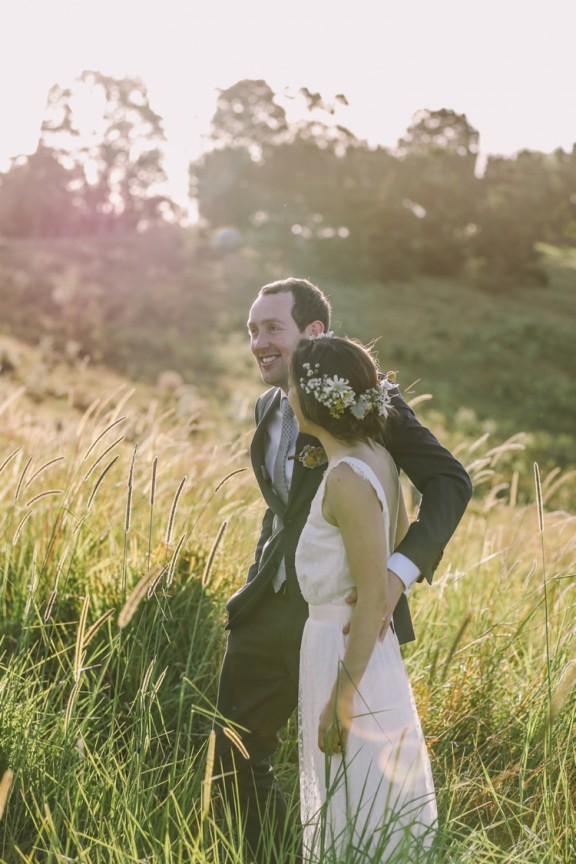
pixel 274 335
pixel 267 359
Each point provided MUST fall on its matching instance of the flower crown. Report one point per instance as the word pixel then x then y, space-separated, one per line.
pixel 338 396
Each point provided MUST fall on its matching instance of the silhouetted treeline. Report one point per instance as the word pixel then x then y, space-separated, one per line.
pixel 308 195
pixel 97 168
pixel 312 192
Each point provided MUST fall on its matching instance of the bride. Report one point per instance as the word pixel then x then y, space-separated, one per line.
pixel 367 793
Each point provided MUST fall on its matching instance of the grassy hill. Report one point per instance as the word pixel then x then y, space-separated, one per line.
pixel 494 359
pixel 502 351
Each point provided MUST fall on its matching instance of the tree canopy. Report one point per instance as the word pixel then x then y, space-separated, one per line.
pixel 98 166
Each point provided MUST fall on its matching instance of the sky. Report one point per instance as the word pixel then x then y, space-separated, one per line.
pixel 509 65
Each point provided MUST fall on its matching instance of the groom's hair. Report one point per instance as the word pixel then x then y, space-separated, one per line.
pixel 310 302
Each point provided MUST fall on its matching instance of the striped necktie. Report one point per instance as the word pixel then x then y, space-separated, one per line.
pixel 281 484
pixel 279 478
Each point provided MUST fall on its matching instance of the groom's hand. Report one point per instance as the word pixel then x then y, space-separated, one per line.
pixel 395 589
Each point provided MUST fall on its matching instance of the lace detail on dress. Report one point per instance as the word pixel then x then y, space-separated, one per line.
pixel 363 470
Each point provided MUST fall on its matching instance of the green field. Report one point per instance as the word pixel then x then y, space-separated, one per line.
pixel 126 521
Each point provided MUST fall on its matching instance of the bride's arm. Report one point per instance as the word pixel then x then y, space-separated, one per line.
pixel 352 504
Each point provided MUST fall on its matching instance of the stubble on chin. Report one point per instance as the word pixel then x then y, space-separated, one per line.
pixel 272 380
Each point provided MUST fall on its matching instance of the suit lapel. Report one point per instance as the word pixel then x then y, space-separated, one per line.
pixel 258 454
pixel 304 478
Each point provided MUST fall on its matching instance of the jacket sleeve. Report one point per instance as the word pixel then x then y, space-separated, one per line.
pixel 442 481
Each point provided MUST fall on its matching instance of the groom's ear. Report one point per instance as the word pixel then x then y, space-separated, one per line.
pixel 314 329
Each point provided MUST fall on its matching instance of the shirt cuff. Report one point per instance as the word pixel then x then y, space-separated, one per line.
pixel 405 569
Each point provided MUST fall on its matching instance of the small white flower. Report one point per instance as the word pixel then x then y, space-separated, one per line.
pixel 360 408
pixel 340 385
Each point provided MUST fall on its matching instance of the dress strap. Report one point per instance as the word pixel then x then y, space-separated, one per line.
pixel 366 472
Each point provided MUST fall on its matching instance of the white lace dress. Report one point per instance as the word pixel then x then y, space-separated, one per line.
pixel 376 802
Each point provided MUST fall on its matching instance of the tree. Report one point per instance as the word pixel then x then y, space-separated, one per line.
pixel 38 197
pixel 524 199
pixel 438 155
pixel 266 178
pixel 442 131
pixel 118 150
pixel 246 125
pixel 383 229
pixel 247 116
pixel 551 177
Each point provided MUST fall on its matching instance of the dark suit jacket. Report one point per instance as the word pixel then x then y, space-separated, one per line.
pixel 443 482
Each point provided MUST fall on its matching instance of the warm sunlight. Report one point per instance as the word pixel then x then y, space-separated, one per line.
pixel 338 626
pixel 509 68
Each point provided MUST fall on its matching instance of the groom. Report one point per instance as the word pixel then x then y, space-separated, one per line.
pixel 259 678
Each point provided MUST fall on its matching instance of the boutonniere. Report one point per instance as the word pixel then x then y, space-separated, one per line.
pixel 312 456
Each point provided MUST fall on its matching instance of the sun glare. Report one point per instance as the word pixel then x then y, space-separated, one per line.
pixel 388 60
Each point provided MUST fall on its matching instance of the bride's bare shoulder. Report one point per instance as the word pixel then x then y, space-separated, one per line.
pixel 349 483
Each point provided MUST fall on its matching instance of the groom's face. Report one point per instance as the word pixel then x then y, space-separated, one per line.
pixel 274 335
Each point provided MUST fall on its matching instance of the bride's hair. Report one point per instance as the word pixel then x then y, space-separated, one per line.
pixel 357 410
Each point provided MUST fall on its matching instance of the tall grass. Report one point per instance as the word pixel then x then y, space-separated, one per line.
pixel 121 537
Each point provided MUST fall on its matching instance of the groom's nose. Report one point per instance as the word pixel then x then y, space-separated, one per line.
pixel 260 340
